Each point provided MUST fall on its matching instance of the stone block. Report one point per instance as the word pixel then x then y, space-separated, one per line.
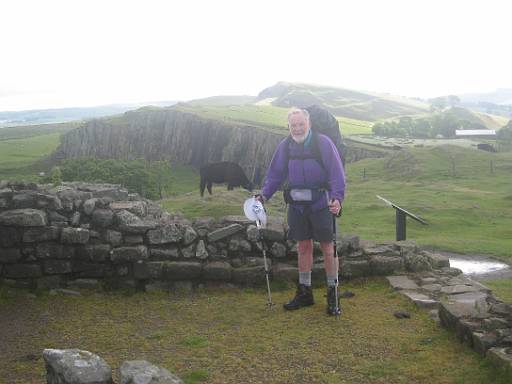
pixel 450 312
pixel 130 223
pixel 89 206
pixel 168 253
pixel 102 218
pixel 415 262
pixel 464 329
pixel 385 265
pixel 9 236
pixel 141 371
pixel 74 366
pixel 456 289
pixel 501 309
pixel 355 268
pixel 54 251
pixel 56 267
pixel 189 235
pixel 278 250
pixel 482 341
pixel 189 252
pixel 113 237
pixel 201 252
pixel 249 275
pixel 224 232
pixel 156 269
pixel 24 218
pixel 169 233
pixel 502 359
pixel 49 282
pixel 33 235
pixel 137 207
pixel 129 254
pixel 274 230
pixel 252 233
pixel 74 236
pixel 420 300
pixel 432 288
pixel 437 260
pixel 141 270
pixel 285 272
pixel 10 255
pixel 402 282
pixel 217 270
pixel 181 270
pixel 84 269
pixel 133 239
pixel 93 252
pixel 20 271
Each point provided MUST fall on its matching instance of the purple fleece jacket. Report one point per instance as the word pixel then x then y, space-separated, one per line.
pixel 306 171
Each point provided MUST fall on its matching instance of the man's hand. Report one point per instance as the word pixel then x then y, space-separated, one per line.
pixel 260 198
pixel 335 207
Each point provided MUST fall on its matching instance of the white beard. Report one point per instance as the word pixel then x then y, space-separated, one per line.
pixel 299 139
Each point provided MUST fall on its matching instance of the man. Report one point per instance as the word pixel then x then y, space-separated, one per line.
pixel 316 188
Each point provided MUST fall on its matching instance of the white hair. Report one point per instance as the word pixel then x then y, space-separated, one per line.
pixel 295 111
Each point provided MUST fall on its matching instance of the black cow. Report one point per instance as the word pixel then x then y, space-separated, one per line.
pixel 223 172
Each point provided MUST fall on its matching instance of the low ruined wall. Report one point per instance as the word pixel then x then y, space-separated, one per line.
pixel 52 237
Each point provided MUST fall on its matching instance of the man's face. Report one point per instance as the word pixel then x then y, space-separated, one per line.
pixel 299 127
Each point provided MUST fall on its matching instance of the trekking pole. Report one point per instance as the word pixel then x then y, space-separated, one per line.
pixel 270 304
pixel 337 308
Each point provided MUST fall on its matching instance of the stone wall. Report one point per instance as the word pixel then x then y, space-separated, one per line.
pixel 54 237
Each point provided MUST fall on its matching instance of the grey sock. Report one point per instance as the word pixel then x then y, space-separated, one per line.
pixel 331 280
pixel 305 278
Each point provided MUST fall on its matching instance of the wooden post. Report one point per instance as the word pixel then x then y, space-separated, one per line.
pixel 400 225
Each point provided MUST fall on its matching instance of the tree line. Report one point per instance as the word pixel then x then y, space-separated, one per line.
pixel 148 179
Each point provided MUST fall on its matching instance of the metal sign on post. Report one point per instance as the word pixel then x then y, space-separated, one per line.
pixel 401 215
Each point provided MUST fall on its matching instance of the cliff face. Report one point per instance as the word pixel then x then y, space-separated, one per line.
pixel 180 137
pixel 167 134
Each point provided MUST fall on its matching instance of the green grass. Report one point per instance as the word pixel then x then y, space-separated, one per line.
pixel 350 127
pixel 468 208
pixel 18 155
pixel 229 336
pixel 269 116
pixel 501 289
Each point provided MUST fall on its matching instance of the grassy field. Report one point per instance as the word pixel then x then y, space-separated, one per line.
pixel 268 115
pixel 18 155
pixel 468 208
pixel 215 335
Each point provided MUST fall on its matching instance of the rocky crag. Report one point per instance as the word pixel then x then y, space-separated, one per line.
pixel 180 137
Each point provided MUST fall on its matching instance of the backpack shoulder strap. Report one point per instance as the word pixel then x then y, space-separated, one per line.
pixel 315 148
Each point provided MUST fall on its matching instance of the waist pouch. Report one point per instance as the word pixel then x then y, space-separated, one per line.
pixel 304 195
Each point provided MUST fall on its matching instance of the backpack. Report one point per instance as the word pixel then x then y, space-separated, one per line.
pixel 322 121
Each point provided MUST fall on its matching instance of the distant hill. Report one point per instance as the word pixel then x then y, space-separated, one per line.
pixel 343 102
pixel 501 96
pixel 223 100
pixel 477 120
pixel 44 116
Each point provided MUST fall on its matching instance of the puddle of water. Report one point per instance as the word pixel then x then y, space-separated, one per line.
pixel 477 267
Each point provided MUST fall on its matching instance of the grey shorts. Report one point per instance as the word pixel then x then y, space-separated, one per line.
pixel 310 225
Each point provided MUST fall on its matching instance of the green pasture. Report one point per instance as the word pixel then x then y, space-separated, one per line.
pixel 227 335
pixel 268 116
pixel 18 155
pixel 466 201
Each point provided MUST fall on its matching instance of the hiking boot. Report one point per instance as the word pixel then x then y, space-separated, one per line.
pixel 303 298
pixel 333 302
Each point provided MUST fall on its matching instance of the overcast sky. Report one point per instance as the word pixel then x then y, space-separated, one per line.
pixel 83 53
